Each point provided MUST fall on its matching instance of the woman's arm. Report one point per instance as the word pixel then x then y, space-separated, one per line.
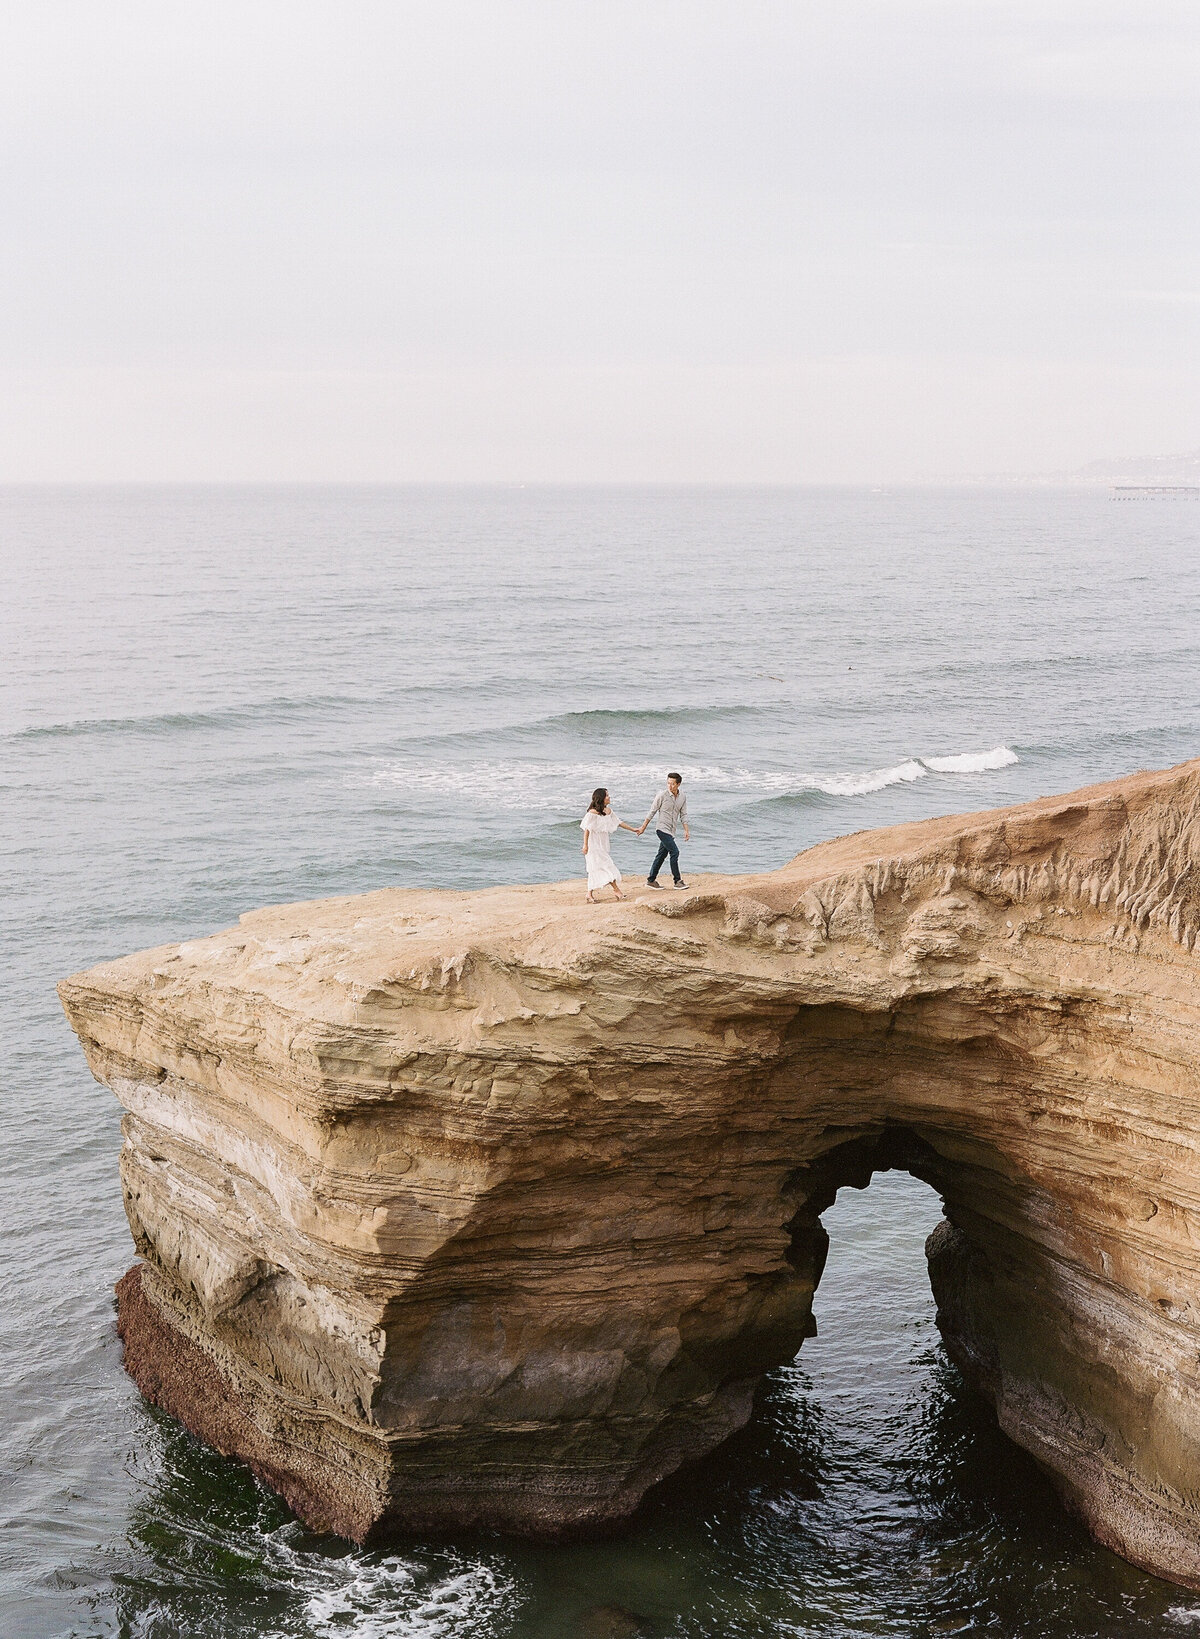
pixel 586 835
pixel 632 828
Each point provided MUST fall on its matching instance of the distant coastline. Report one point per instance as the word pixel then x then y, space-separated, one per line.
pixel 1177 471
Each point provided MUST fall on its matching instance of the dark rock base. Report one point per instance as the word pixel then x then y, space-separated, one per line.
pixel 548 1484
pixel 177 1375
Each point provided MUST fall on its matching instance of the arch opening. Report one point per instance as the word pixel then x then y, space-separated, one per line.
pixel 1055 1350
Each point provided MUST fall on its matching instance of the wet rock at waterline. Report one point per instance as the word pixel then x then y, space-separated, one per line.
pixel 491 1208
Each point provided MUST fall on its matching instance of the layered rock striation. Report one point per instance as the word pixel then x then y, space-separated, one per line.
pixel 492 1208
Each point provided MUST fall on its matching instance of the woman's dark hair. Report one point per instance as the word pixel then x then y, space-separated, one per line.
pixel 599 798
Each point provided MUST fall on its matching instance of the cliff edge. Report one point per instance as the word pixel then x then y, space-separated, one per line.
pixel 492 1208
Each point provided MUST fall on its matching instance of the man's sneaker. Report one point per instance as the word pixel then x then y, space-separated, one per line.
pixel 651 883
pixel 681 883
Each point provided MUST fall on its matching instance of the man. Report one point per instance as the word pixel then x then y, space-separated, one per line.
pixel 670 810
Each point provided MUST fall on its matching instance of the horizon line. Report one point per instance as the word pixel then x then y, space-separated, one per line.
pixel 989 481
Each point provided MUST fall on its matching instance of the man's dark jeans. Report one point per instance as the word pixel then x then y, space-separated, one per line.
pixel 667 846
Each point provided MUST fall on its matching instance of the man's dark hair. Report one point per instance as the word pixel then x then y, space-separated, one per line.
pixel 678 777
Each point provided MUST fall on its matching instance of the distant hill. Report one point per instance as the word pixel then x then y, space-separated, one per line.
pixel 1141 469
pixel 1124 469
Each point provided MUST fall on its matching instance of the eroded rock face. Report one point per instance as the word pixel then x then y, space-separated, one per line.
pixel 492 1208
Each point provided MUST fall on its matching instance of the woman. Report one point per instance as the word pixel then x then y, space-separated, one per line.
pixel 598 825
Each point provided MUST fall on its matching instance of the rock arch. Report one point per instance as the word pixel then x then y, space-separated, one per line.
pixel 462 1208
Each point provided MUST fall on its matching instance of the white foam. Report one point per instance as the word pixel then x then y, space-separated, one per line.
pixel 382 1601
pixel 972 762
pixel 551 787
pixel 876 779
pixel 378 1596
pixel 515 784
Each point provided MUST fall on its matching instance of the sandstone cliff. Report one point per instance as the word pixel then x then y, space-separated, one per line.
pixel 458 1208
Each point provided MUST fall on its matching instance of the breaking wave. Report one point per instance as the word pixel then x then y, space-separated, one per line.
pixel 972 762
pixel 861 785
pixel 512 783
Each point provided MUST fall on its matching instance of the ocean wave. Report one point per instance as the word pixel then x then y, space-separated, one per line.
pixel 1172 737
pixel 379 1595
pixel 168 722
pixel 1033 665
pixel 875 779
pixel 972 762
pixel 590 725
pixel 631 716
pixel 512 783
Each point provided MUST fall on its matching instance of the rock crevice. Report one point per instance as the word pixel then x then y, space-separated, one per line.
pixel 492 1208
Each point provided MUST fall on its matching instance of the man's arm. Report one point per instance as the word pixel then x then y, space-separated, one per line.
pixel 687 835
pixel 654 810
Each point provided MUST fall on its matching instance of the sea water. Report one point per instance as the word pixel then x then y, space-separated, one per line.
pixel 212 699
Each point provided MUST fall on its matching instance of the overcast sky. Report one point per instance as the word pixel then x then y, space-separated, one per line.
pixel 804 241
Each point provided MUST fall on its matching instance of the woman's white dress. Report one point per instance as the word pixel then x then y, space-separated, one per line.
pixel 600 867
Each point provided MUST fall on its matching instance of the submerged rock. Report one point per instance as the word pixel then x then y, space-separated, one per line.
pixel 610 1622
pixel 491 1208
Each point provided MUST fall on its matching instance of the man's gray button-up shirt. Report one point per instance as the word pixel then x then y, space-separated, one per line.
pixel 671 811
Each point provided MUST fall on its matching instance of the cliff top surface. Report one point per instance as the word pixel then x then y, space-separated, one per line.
pixel 1123 844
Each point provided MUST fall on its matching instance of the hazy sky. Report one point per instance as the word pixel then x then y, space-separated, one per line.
pixel 813 240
